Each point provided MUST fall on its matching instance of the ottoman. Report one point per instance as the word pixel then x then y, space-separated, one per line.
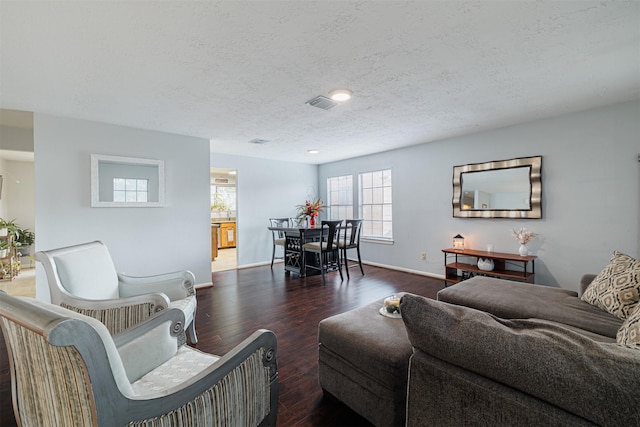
pixel 363 361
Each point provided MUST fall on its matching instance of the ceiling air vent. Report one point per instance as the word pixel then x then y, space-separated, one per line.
pixel 322 102
pixel 259 141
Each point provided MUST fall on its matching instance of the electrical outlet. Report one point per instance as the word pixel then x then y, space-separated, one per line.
pixel 423 255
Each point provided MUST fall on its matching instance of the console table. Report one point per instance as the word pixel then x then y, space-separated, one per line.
pixel 502 263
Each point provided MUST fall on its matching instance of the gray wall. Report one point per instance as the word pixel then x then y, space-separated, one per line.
pixel 266 189
pixel 17 139
pixel 142 241
pixel 591 186
pixel 591 201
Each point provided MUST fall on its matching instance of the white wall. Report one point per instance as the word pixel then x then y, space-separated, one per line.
pixel 266 189
pixel 18 193
pixel 3 198
pixel 142 241
pixel 17 197
pixel 591 201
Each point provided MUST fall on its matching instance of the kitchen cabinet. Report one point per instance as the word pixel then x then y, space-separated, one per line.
pixel 227 235
pixel 214 241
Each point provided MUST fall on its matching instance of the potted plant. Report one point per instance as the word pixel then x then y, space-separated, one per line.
pixel 8 227
pixel 5 271
pixel 5 226
pixel 4 248
pixel 24 238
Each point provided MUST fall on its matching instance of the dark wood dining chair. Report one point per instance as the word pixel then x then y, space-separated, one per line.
pixel 326 250
pixel 278 236
pixel 351 240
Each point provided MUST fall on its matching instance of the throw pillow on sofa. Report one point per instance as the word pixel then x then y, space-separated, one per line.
pixel 616 288
pixel 629 333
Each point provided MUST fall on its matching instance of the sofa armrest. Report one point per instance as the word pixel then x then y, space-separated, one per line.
pixel 176 285
pixel 117 314
pixel 164 332
pixel 585 281
pixel 248 373
pixel 568 369
pixel 157 300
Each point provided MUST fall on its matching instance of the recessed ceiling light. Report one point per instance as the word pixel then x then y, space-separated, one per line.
pixel 313 151
pixel 340 95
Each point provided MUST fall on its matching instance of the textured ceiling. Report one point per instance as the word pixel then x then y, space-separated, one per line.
pixel 233 71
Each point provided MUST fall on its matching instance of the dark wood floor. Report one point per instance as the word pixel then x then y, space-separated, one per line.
pixel 242 301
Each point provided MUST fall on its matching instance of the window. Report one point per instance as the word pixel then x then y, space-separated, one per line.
pixel 340 197
pixel 223 201
pixel 130 190
pixel 375 204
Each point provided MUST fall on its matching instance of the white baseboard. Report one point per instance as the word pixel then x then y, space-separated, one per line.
pixel 406 270
pixel 259 264
pixel 203 285
pixel 375 264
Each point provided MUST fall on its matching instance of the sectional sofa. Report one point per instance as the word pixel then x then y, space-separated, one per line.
pixel 500 353
pixel 493 352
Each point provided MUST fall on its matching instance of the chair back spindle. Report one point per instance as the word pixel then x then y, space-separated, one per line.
pixel 278 236
pixel 351 240
pixel 327 250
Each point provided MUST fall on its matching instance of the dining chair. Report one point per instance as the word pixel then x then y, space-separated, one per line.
pixel 84 278
pixel 351 240
pixel 68 370
pixel 278 235
pixel 326 249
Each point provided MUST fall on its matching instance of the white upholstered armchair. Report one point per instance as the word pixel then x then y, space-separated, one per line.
pixel 67 370
pixel 83 278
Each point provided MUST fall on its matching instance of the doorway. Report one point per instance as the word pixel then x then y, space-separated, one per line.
pixel 17 201
pixel 224 222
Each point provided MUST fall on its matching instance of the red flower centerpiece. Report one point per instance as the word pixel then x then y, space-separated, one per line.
pixel 310 209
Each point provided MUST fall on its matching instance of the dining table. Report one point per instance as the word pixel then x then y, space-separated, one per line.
pixel 294 259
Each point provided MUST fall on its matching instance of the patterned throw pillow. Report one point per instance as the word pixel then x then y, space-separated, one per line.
pixel 617 288
pixel 629 332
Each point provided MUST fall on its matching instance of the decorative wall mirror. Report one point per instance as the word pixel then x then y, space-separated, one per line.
pixel 499 189
pixel 126 182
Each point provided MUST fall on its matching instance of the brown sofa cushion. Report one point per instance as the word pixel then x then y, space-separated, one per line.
pixel 616 288
pixel 574 371
pixel 514 300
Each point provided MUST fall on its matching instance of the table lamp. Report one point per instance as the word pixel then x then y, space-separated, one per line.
pixel 458 242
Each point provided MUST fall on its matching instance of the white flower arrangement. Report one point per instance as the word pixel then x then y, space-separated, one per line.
pixel 523 235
